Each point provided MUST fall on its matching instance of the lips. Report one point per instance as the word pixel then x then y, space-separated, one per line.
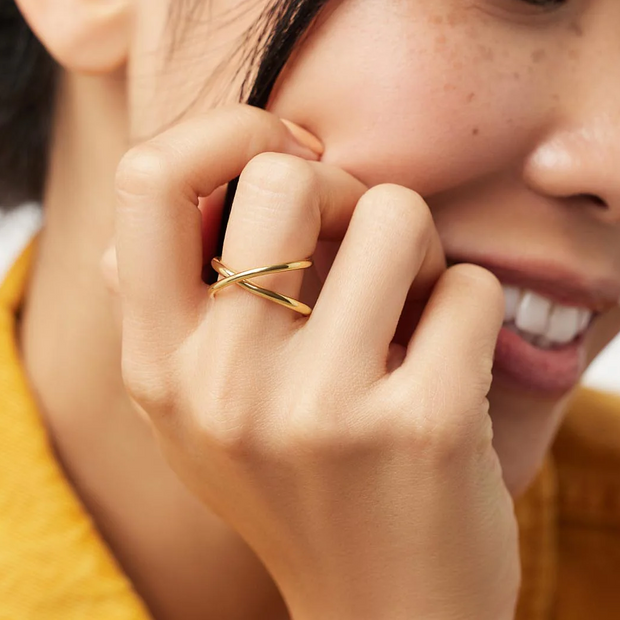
pixel 552 372
pixel 551 367
pixel 563 284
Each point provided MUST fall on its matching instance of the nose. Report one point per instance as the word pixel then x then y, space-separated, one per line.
pixel 578 157
pixel 581 164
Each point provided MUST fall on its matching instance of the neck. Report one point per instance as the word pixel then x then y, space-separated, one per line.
pixel 182 560
pixel 67 328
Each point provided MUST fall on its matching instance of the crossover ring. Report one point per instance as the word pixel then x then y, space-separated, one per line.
pixel 241 277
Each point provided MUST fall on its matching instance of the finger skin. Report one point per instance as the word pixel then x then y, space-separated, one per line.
pixel 283 206
pixel 158 223
pixel 391 253
pixel 455 340
pixel 285 463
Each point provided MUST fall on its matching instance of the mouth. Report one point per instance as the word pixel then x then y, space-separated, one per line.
pixel 549 310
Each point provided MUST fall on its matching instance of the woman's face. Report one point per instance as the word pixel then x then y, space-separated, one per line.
pixel 503 114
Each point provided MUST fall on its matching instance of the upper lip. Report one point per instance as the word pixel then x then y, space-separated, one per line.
pixel 557 281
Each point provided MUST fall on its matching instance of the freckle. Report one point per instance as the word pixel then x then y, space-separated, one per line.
pixel 437 19
pixel 576 29
pixel 486 52
pixel 556 97
pixel 449 87
pixel 573 54
pixel 475 131
pixel 440 41
pixel 539 55
pixel 471 97
pixel 516 75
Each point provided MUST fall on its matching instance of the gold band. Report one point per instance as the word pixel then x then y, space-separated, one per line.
pixel 239 278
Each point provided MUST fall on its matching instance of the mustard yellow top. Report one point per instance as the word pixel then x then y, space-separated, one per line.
pixel 53 563
pixel 55 566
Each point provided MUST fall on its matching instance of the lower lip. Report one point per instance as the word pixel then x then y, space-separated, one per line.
pixel 552 371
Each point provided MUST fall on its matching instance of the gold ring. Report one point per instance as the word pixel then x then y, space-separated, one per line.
pixel 240 277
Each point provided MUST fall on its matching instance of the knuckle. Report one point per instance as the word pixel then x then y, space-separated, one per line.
pixel 262 130
pixel 308 438
pixel 150 387
pixel 328 440
pixel 144 170
pixel 392 192
pixel 227 433
pixel 229 414
pixel 278 175
pixel 323 428
pixel 442 441
pixel 451 439
pixel 428 426
pixel 255 123
pixel 401 208
pixel 485 282
pixel 244 114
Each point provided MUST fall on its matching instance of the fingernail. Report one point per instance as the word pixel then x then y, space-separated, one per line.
pixel 109 269
pixel 304 137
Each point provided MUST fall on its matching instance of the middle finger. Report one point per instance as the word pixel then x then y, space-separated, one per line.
pixel 283 205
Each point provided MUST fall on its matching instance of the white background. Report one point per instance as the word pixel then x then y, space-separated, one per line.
pixel 604 372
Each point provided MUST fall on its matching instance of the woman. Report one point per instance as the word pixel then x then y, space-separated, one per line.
pixel 356 456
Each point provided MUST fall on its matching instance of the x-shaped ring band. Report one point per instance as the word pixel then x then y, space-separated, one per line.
pixel 239 278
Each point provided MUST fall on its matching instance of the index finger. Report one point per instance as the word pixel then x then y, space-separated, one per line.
pixel 158 222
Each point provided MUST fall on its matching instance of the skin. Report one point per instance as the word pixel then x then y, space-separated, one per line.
pixel 502 116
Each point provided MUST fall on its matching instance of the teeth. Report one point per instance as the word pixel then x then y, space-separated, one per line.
pixel 533 313
pixel 512 295
pixel 544 343
pixel 564 324
pixel 584 320
pixel 540 321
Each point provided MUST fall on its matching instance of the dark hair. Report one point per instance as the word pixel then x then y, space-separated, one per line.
pixel 27 80
pixel 26 103
pixel 286 23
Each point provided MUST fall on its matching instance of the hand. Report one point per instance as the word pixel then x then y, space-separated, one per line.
pixel 360 470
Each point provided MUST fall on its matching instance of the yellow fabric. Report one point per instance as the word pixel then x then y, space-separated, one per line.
pixel 54 565
pixel 569 519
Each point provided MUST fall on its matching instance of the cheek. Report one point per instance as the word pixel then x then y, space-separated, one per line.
pixel 429 102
